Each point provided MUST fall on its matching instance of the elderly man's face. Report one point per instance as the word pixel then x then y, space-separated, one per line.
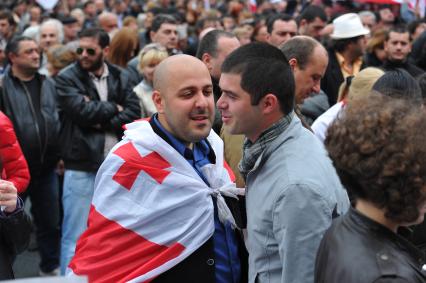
pixel 185 104
pixel 48 37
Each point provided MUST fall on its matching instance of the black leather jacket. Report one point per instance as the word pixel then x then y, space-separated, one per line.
pixel 85 118
pixel 14 238
pixel 358 250
pixel 15 102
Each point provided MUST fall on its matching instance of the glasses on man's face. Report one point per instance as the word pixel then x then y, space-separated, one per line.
pixel 89 51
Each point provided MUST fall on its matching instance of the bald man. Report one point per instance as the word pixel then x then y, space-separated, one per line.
pixel 158 208
pixel 108 22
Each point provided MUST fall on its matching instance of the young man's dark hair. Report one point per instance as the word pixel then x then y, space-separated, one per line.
pixel 272 19
pixel 161 19
pixel 87 3
pixel 264 70
pixel 341 44
pixel 98 33
pixel 209 42
pixel 311 13
pixel 396 29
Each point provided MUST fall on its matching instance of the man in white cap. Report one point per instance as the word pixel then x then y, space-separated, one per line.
pixel 345 54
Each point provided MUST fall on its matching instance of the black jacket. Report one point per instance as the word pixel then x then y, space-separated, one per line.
pixel 356 249
pixel 407 66
pixel 15 102
pixel 14 238
pixel 84 123
pixel 333 78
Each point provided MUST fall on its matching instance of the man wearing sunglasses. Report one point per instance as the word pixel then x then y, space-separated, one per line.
pixel 97 100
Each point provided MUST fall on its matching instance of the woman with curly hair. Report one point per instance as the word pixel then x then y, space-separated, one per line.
pixel 378 150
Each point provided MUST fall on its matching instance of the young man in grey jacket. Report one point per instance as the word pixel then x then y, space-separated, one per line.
pixel 292 190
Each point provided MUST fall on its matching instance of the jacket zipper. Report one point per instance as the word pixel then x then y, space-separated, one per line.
pixel 35 119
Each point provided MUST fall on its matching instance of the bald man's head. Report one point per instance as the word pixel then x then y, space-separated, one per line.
pixel 108 21
pixel 183 96
pixel 172 67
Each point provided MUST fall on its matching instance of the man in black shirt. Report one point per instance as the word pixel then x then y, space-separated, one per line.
pixel 29 102
pixel 397 47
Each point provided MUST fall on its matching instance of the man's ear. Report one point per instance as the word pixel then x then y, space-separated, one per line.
pixel 270 103
pixel 152 35
pixel 106 51
pixel 385 47
pixel 302 23
pixel 158 101
pixel 207 59
pixel 11 57
pixel 268 37
pixel 293 63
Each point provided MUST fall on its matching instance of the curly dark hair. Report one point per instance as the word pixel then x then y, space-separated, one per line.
pixel 378 149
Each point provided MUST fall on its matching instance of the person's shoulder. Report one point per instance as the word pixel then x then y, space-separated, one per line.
pixel 69 71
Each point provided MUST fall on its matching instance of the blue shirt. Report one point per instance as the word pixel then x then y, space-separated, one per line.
pixel 227 267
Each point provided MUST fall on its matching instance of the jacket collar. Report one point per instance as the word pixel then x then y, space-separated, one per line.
pixel 363 222
pixel 9 74
pixel 83 74
pixel 289 133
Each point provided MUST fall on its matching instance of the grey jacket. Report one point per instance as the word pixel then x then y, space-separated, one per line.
pixel 292 194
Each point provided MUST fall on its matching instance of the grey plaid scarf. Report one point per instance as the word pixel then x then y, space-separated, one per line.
pixel 252 151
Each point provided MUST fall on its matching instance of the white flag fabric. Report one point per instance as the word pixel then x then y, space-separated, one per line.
pixel 150 209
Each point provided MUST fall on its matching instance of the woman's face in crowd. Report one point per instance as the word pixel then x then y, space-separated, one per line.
pixel 380 54
pixel 148 71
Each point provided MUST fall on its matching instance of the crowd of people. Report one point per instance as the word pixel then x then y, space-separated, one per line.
pixel 214 141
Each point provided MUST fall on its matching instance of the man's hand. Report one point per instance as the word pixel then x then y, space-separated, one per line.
pixel 8 196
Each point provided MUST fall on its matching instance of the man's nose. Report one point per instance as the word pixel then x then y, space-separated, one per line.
pixel 202 100
pixel 317 87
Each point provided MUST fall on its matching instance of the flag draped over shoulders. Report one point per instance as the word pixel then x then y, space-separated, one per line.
pixel 150 209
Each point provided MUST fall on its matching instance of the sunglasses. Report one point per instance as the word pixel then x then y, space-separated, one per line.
pixel 89 51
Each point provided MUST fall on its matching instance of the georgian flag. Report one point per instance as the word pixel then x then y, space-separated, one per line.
pixel 150 209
